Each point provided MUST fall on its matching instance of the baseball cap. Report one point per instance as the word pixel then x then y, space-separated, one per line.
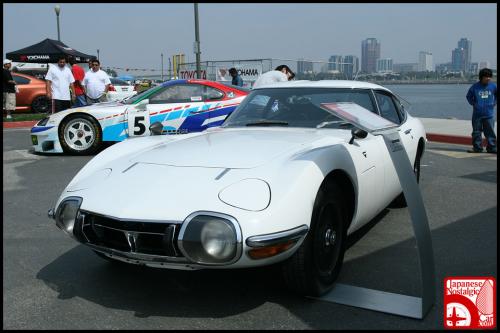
pixel 7 61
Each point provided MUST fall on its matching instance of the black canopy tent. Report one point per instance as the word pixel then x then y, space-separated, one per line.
pixel 47 51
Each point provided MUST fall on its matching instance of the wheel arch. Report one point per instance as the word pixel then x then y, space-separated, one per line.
pixel 344 181
pixel 75 114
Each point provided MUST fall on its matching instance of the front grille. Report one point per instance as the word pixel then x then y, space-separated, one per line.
pixel 153 238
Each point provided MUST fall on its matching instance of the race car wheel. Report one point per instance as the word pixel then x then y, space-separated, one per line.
pixel 40 104
pixel 400 201
pixel 314 267
pixel 80 134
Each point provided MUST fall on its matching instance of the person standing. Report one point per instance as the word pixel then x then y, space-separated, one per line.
pixel 482 95
pixel 96 83
pixel 281 73
pixel 9 89
pixel 237 80
pixel 79 75
pixel 59 84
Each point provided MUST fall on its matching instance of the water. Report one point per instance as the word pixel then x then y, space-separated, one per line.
pixel 435 100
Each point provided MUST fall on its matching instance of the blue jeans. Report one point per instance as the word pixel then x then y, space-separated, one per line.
pixel 80 101
pixel 487 126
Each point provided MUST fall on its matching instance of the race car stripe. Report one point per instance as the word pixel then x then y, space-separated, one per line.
pixel 152 114
pixel 40 128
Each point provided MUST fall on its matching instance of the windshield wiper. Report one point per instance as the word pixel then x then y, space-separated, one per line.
pixel 268 123
pixel 326 123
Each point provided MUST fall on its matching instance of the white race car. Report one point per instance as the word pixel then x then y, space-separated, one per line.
pixel 181 106
pixel 281 181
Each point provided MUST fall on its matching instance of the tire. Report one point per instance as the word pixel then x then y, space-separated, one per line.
pixel 400 201
pixel 40 104
pixel 314 267
pixel 80 134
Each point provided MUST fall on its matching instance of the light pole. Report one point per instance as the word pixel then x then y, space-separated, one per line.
pixel 197 42
pixel 97 54
pixel 162 67
pixel 57 9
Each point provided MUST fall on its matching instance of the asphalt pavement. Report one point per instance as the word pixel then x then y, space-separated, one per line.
pixel 52 282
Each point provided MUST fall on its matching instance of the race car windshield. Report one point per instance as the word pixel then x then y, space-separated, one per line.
pixel 297 107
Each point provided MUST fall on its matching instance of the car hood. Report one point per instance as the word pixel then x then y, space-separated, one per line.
pixel 229 148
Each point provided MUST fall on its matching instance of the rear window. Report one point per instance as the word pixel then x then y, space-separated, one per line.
pixel 118 82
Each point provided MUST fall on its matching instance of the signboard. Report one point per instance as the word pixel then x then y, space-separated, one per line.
pixel 191 74
pixel 358 116
pixel 248 72
pixel 138 123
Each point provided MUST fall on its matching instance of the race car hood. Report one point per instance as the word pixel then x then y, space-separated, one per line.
pixel 228 148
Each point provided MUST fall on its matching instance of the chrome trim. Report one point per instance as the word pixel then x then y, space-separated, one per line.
pixel 137 256
pixel 58 212
pixel 239 236
pixel 277 237
pixel 131 220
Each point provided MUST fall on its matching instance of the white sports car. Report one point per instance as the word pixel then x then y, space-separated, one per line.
pixel 281 181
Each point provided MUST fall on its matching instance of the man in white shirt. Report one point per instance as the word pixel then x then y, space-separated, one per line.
pixel 282 73
pixel 59 81
pixel 96 83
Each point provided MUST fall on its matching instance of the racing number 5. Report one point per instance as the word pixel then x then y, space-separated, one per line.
pixel 138 122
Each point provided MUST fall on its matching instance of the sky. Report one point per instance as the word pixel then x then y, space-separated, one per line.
pixel 133 35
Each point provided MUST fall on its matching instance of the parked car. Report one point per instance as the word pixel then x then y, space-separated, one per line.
pixel 32 96
pixel 181 106
pixel 119 90
pixel 282 181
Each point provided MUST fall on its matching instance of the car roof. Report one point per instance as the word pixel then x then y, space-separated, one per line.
pixel 325 84
pixel 26 76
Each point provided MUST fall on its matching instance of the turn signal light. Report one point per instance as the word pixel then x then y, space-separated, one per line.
pixel 269 251
pixel 111 88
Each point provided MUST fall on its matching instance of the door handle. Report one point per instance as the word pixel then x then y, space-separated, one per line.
pixel 408 131
pixel 196 112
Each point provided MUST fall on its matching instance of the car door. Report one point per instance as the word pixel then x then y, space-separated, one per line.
pixel 180 108
pixel 388 106
pixel 25 94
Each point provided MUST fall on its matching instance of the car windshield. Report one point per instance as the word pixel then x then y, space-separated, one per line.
pixel 226 83
pixel 142 95
pixel 296 107
pixel 118 82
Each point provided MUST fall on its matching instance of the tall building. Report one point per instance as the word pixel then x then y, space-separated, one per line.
pixel 350 66
pixel 370 52
pixel 335 63
pixel 461 56
pixel 425 62
pixel 405 68
pixel 484 64
pixel 384 65
pixel 305 67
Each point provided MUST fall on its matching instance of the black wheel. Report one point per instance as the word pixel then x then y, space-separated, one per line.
pixel 314 267
pixel 400 201
pixel 80 134
pixel 40 104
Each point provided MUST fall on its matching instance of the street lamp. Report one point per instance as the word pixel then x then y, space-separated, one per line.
pixel 162 67
pixel 97 54
pixel 57 9
pixel 197 42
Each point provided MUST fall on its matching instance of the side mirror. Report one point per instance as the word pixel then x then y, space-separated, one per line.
pixel 357 133
pixel 156 128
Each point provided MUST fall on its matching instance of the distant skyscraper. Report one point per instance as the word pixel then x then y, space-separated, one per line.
pixel 425 61
pixel 370 52
pixel 304 66
pixel 350 66
pixel 484 64
pixel 461 56
pixel 384 65
pixel 335 63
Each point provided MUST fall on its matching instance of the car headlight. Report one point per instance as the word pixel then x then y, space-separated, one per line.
pixel 210 238
pixel 67 213
pixel 43 122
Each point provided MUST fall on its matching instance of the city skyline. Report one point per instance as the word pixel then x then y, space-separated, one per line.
pixel 311 32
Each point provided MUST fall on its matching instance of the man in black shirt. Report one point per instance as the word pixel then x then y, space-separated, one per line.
pixel 9 89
